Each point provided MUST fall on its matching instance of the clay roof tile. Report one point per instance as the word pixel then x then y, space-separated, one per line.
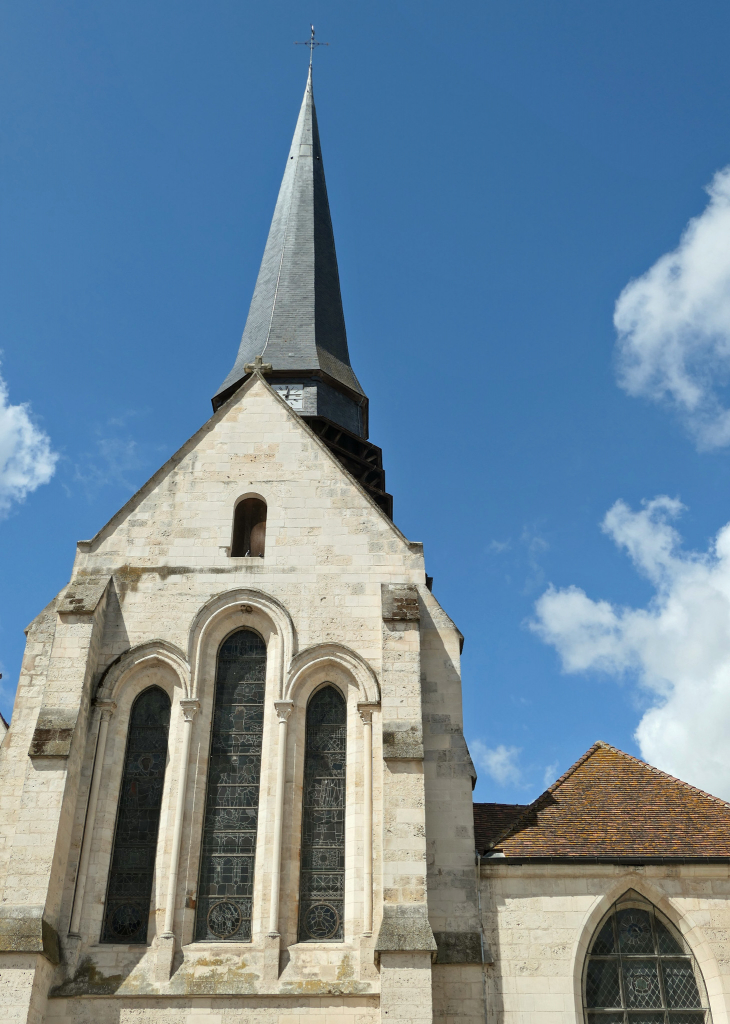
pixel 609 804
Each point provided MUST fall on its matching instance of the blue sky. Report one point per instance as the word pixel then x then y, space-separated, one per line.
pixel 498 174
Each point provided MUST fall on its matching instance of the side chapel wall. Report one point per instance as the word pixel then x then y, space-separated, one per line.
pixel 540 919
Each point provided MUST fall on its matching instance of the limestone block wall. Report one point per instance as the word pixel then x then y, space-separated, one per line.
pixel 152 597
pixel 217 1010
pixel 540 919
pixel 452 870
pixel 459 992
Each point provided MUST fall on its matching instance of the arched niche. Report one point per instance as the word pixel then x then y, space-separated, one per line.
pixel 248 537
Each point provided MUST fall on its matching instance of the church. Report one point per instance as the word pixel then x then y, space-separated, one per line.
pixel 235 788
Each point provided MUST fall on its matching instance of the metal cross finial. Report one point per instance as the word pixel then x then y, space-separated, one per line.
pixel 311 43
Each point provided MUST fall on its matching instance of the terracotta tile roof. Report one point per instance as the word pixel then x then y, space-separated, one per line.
pixel 492 820
pixel 609 804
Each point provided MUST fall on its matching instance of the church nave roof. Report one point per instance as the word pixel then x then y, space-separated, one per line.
pixel 608 806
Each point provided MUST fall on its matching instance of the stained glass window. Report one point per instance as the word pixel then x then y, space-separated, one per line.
pixel 129 891
pixel 225 890
pixel 640 971
pixel 322 884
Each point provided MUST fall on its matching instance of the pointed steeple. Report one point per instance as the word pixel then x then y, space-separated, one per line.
pixel 296 322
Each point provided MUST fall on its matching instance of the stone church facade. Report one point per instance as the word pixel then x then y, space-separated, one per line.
pixel 235 787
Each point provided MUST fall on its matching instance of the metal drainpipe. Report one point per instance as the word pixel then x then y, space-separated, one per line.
pixel 481 936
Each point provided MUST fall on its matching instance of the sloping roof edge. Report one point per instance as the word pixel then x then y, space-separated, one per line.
pixel 598 745
pixel 177 457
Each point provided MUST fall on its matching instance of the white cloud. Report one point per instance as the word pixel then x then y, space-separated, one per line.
pixel 115 462
pixel 678 646
pixel 497 762
pixel 117 459
pixel 673 323
pixel 550 774
pixel 26 458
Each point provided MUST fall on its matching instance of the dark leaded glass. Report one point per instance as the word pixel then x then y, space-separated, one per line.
pixel 129 892
pixel 634 932
pixel 667 944
pixel 322 885
pixel 605 944
pixel 651 975
pixel 680 984
pixel 641 983
pixel 225 891
pixel 602 984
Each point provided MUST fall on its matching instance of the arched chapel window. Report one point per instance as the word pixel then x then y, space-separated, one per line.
pixel 322 884
pixel 225 890
pixel 640 970
pixel 129 891
pixel 249 528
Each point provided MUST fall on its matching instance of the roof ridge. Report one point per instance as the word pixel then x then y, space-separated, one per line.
pixel 496 803
pixel 548 792
pixel 665 775
pixel 598 745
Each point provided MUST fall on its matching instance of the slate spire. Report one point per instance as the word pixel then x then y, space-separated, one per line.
pixel 295 322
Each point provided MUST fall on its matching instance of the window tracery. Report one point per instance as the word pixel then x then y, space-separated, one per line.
pixel 640 971
pixel 225 891
pixel 322 882
pixel 129 890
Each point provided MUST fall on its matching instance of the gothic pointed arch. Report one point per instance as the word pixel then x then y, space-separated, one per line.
pixel 640 968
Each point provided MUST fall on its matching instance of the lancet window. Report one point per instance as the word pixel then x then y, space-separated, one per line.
pixel 129 890
pixel 322 883
pixel 225 891
pixel 641 971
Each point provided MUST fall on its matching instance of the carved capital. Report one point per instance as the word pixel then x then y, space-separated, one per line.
pixel 106 708
pixel 283 709
pixel 366 712
pixel 189 707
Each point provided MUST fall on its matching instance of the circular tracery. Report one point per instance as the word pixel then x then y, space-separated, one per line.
pixel 224 919
pixel 640 971
pixel 125 921
pixel 321 921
